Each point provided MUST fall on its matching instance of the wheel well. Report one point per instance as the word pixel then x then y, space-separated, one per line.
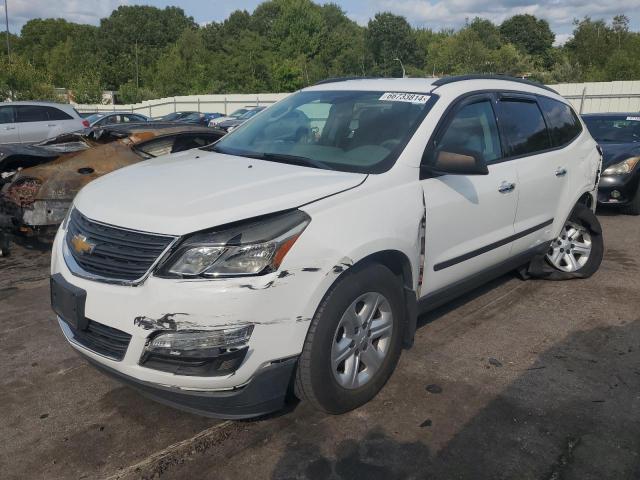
pixel 395 261
pixel 586 199
pixel 400 265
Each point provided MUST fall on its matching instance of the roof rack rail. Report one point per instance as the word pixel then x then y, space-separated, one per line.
pixel 343 79
pixel 460 78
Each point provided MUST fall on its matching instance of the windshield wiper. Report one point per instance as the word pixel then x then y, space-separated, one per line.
pixel 292 159
pixel 274 157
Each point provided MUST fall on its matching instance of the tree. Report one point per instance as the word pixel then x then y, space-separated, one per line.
pixel 133 37
pixel 529 34
pixel 390 37
pixel 87 88
pixel 19 80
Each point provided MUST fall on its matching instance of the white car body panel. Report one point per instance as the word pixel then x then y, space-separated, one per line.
pixel 352 215
pixel 226 189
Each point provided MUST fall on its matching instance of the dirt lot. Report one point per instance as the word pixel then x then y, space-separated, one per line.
pixel 520 380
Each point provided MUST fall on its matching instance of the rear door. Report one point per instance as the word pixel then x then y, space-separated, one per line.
pixel 9 132
pixel 33 122
pixel 527 143
pixel 60 121
pixel 469 218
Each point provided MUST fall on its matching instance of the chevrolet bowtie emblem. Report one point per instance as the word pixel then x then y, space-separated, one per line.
pixel 82 245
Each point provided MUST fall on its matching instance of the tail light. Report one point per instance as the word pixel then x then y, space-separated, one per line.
pixel 85 123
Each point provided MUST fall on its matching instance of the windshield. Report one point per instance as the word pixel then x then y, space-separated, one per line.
pixel 192 117
pixel 618 129
pixel 238 113
pixel 95 117
pixel 353 131
pixel 250 113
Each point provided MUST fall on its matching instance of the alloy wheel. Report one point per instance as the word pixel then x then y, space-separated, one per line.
pixel 362 340
pixel 571 250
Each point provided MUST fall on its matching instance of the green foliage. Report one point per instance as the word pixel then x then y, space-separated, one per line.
pixel 19 80
pixel 529 34
pixel 87 88
pixel 145 52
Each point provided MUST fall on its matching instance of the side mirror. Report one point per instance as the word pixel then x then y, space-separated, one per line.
pixel 462 162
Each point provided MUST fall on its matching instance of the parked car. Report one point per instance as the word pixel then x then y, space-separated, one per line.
pixel 301 247
pixel 200 118
pixel 38 182
pixel 101 119
pixel 236 114
pixel 233 123
pixel 173 116
pixel 30 122
pixel 618 134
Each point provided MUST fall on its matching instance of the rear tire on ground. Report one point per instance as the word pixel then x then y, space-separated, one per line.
pixel 354 340
pixel 633 207
pixel 4 245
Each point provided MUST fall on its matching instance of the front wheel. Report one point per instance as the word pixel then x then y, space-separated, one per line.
pixel 578 250
pixel 354 340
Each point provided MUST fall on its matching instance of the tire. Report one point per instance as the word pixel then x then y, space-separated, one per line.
pixel 5 250
pixel 578 251
pixel 329 384
pixel 633 207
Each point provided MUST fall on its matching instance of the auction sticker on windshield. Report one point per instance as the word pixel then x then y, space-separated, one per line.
pixel 404 97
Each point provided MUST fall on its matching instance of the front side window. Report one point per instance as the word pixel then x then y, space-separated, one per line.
pixel 6 115
pixel 523 127
pixel 31 113
pixel 472 129
pixel 354 131
pixel 563 123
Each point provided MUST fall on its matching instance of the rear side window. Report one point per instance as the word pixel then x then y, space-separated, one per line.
pixel 57 114
pixel 523 127
pixel 563 123
pixel 31 113
pixel 472 128
pixel 6 115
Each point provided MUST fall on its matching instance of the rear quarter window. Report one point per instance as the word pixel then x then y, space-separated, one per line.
pixel 523 127
pixel 57 114
pixel 562 121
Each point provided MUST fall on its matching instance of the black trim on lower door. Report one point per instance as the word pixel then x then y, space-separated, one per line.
pixel 488 248
pixel 440 297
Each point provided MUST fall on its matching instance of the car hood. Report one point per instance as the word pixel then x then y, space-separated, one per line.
pixel 194 190
pixel 618 152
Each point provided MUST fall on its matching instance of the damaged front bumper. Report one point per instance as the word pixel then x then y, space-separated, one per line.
pixel 278 307
pixel 263 394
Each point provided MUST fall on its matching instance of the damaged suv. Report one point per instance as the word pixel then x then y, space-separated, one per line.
pixel 297 252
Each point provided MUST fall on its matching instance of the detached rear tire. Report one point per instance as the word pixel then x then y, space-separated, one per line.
pixel 354 340
pixel 578 250
pixel 633 207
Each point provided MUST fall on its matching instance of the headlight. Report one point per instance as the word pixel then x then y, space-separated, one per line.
pixel 184 343
pixel 250 248
pixel 622 168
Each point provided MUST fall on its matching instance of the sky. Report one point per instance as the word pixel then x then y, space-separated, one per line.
pixel 435 14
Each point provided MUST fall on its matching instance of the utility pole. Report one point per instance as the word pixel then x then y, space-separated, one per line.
pixel 137 72
pixel 404 73
pixel 6 19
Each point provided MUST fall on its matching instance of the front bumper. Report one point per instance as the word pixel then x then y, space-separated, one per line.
pixel 264 394
pixel 279 305
pixel 626 187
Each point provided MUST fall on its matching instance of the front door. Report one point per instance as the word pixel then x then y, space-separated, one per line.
pixel 469 218
pixel 9 132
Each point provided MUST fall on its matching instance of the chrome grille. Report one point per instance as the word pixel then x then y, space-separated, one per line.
pixel 110 252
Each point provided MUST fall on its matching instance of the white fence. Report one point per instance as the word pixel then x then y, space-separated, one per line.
pixel 598 97
pixel 593 97
pixel 200 103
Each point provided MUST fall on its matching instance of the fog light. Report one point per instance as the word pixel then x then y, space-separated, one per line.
pixel 616 194
pixel 199 343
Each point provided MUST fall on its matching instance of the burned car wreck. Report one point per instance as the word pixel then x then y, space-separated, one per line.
pixel 38 182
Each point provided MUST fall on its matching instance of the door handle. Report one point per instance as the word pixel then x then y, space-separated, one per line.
pixel 9 128
pixel 506 187
pixel 561 172
pixel 52 125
